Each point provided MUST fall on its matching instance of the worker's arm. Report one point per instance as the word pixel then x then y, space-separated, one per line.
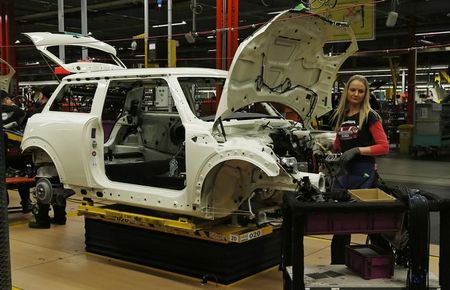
pixel 381 146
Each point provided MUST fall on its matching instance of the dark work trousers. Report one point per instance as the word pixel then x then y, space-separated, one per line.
pixel 42 216
pixel 24 192
pixel 59 213
pixel 357 175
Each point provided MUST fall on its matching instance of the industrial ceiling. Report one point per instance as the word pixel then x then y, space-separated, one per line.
pixel 117 21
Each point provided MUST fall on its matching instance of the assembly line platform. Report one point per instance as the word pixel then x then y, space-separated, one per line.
pixel 218 253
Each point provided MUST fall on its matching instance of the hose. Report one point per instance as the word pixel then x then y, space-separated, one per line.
pixel 5 262
pixel 419 242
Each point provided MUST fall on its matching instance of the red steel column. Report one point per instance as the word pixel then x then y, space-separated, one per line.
pixel 2 42
pixel 219 26
pixel 7 37
pixel 232 32
pixel 412 65
pixel 6 31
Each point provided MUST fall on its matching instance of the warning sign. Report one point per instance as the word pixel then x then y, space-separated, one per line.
pixel 359 14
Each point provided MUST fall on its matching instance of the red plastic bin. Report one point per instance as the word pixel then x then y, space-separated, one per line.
pixel 369 261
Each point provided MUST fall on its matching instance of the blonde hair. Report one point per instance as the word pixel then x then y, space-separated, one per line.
pixel 342 108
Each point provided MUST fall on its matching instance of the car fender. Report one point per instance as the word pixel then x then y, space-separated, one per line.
pixel 263 159
pixel 33 144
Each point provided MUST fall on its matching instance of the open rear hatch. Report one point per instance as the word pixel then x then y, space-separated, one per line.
pixel 46 40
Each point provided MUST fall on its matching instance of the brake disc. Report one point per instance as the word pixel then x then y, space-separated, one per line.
pixel 44 190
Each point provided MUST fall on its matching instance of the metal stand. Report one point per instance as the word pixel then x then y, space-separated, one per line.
pixel 299 219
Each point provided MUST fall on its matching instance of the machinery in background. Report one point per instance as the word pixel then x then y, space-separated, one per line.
pixel 19 167
pixel 431 131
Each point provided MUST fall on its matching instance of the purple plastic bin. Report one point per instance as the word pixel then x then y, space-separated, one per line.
pixel 346 223
pixel 369 261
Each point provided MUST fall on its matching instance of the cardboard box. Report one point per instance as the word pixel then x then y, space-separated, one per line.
pixel 370 194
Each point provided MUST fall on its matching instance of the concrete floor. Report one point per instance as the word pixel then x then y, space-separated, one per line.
pixel 56 259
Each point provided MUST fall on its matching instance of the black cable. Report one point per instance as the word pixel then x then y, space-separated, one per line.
pixel 52 70
pixel 419 241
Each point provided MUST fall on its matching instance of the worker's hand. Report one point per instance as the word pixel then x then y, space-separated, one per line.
pixel 349 155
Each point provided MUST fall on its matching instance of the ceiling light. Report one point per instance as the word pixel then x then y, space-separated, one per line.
pixel 275 12
pixel 391 20
pixel 167 24
pixel 426 42
pixel 433 33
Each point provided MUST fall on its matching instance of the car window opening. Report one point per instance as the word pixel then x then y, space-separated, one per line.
pixel 145 144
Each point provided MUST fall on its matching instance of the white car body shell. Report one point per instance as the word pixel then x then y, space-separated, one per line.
pixel 292 44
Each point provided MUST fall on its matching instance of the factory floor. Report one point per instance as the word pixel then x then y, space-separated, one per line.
pixel 47 259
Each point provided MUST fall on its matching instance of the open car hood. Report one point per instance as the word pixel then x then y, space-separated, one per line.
pixel 6 79
pixel 44 40
pixel 284 62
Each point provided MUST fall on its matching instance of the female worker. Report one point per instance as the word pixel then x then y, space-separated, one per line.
pixel 360 137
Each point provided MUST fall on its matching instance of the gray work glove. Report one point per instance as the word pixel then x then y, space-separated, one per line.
pixel 348 155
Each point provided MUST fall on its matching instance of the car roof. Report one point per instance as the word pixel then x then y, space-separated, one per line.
pixel 178 71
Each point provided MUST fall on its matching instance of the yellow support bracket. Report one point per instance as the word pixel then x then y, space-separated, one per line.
pixel 446 76
pixel 127 217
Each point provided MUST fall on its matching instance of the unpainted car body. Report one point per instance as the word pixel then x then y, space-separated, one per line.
pixel 146 137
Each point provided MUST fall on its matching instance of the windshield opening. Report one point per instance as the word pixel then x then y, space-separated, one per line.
pixel 203 95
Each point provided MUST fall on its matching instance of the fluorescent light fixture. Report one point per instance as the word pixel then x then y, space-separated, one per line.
pixel 211 50
pixel 38 83
pixel 167 24
pixel 433 33
pixel 433 67
pixel 210 36
pixel 426 42
pixel 275 12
